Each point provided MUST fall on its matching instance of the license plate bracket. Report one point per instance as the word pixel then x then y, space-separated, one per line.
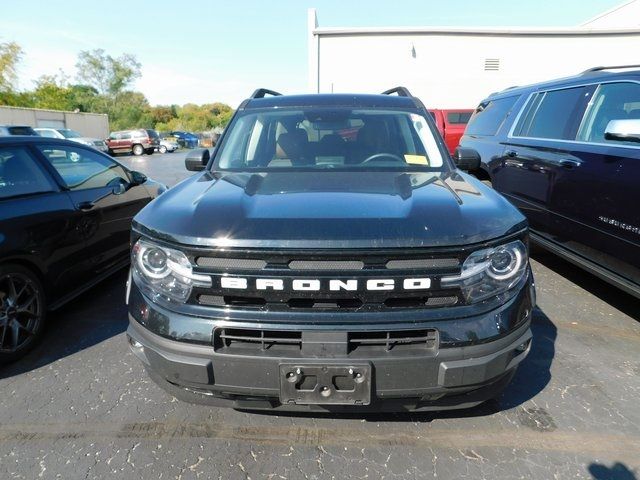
pixel 311 384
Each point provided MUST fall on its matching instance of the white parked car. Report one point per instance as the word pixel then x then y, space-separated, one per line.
pixel 168 146
pixel 74 136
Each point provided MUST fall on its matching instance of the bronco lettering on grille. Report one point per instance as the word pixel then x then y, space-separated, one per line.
pixel 316 285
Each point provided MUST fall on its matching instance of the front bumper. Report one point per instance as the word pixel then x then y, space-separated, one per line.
pixel 444 377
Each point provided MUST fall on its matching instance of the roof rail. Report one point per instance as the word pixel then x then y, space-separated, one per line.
pixel 261 92
pixel 401 91
pixel 614 67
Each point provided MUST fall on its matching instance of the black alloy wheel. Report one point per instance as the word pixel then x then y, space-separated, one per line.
pixel 22 311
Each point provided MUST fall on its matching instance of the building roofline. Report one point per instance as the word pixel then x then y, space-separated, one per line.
pixel 488 31
pixel 50 110
pixel 606 13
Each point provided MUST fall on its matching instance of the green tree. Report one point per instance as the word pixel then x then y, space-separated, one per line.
pixel 162 114
pixel 51 92
pixel 10 55
pixel 131 110
pixel 198 118
pixel 17 99
pixel 84 98
pixel 108 75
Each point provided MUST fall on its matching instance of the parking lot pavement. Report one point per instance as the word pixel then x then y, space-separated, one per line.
pixel 80 405
pixel 167 168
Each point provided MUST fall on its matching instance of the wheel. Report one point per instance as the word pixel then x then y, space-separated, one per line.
pixel 162 149
pixel 137 150
pixel 149 151
pixel 22 311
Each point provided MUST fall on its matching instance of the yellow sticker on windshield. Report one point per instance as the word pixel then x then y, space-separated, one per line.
pixel 416 159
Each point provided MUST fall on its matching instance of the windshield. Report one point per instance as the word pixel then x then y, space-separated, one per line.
pixel 329 138
pixel 69 133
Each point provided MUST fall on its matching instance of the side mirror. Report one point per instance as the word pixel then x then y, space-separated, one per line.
pixel 627 130
pixel 466 159
pixel 137 178
pixel 197 160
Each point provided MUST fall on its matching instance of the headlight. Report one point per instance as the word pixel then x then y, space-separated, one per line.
pixel 490 271
pixel 164 272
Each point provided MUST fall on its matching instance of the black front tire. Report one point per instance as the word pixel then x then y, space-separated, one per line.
pixel 162 149
pixel 137 150
pixel 22 311
pixel 149 151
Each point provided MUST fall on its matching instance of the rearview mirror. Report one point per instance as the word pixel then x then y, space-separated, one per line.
pixel 466 159
pixel 197 160
pixel 627 130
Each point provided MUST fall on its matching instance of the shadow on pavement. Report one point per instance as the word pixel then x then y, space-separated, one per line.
pixel 618 471
pixel 97 315
pixel 606 292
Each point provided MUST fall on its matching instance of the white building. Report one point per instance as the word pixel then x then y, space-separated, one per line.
pixel 454 67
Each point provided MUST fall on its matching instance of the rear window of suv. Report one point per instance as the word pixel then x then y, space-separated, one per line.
pixel 489 116
pixel 21 131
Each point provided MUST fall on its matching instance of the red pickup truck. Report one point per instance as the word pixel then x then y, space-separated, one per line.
pixel 451 125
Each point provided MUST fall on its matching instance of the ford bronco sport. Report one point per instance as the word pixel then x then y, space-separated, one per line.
pixel 330 256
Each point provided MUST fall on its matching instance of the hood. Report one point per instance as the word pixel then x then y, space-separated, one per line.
pixel 329 210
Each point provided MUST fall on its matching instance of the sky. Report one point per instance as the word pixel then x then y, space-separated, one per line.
pixel 206 51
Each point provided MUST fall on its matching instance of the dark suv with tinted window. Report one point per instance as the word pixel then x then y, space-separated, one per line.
pixel 329 256
pixel 567 153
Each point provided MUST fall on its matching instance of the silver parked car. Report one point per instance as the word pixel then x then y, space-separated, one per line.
pixel 167 145
pixel 74 136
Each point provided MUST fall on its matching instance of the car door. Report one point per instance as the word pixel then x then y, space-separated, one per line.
pixel 536 152
pixel 594 202
pixel 38 220
pixel 106 201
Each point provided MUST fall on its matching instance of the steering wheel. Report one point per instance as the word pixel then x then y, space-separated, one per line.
pixel 379 156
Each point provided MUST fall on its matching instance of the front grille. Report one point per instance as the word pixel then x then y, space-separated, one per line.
pixel 427 263
pixel 248 341
pixel 422 339
pixel 231 263
pixel 326 265
pixel 263 340
pixel 340 281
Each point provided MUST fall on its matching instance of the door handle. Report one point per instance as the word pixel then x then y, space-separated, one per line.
pixel 511 153
pixel 85 206
pixel 569 164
